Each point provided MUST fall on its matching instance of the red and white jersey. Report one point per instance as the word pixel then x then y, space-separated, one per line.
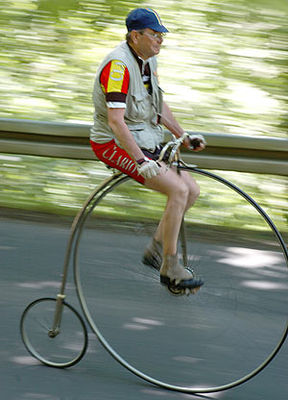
pixel 114 80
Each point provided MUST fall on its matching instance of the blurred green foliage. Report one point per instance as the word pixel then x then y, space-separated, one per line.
pixel 223 65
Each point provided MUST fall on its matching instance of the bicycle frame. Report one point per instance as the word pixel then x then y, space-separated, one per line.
pixel 75 232
pixel 55 330
pixel 171 148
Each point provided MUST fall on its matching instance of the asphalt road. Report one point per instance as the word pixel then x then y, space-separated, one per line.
pixel 211 338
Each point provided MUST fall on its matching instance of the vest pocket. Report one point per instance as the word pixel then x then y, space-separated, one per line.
pixel 139 107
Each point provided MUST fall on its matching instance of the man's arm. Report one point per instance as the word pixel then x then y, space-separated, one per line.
pixel 122 133
pixel 146 167
pixel 168 120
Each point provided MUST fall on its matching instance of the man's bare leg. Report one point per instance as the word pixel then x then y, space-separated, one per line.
pixel 170 222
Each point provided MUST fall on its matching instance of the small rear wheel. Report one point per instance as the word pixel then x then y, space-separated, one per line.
pixel 61 348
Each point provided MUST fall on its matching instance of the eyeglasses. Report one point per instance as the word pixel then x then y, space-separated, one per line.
pixel 158 35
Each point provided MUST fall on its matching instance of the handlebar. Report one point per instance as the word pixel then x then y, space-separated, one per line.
pixel 170 152
pixel 171 148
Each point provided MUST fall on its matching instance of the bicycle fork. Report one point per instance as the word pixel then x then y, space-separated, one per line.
pixel 55 330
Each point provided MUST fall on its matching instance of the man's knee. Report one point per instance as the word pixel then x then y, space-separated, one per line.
pixel 180 194
pixel 194 192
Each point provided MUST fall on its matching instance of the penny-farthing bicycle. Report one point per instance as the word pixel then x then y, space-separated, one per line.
pixel 212 341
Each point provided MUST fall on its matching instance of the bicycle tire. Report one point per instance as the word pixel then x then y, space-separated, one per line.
pixel 62 351
pixel 94 202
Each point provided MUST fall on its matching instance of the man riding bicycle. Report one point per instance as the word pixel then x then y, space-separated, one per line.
pixel 127 135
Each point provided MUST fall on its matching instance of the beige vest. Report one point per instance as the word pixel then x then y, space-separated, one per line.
pixel 142 109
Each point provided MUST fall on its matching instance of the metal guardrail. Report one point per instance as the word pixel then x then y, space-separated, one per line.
pixel 224 152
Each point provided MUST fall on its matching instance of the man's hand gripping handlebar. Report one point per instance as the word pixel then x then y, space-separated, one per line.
pixel 170 152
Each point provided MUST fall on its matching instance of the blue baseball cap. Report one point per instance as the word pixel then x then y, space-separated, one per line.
pixel 141 18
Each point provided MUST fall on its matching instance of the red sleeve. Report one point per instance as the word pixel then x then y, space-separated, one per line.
pixel 114 80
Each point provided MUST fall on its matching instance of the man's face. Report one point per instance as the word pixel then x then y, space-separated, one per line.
pixel 149 43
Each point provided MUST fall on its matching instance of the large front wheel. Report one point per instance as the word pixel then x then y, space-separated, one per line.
pixel 63 349
pixel 219 338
